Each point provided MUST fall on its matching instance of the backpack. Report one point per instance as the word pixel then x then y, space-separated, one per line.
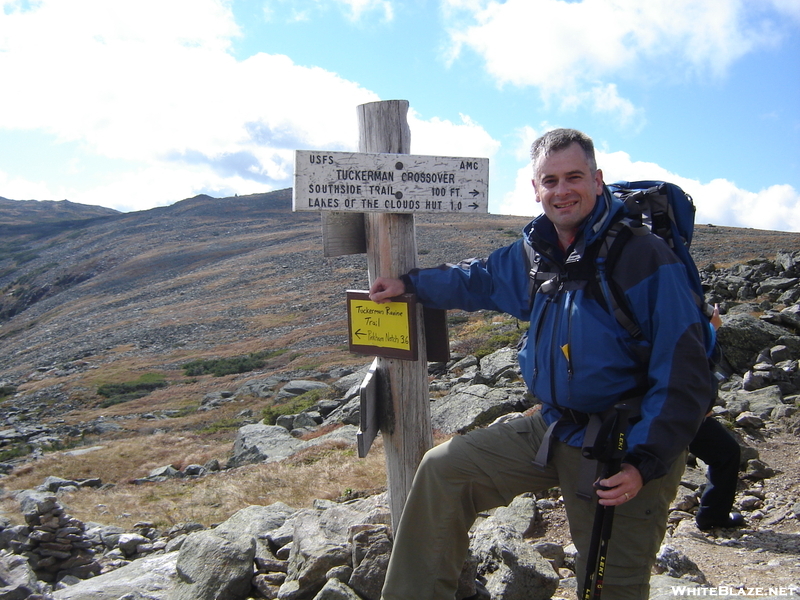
pixel 650 206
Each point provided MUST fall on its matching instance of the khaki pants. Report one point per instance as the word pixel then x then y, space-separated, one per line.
pixel 488 468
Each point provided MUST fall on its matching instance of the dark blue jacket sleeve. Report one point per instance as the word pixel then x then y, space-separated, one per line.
pixel 680 381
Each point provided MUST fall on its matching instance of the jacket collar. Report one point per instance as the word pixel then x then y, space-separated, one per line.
pixel 541 234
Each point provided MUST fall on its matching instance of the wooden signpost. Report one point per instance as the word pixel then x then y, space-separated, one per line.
pixel 367 201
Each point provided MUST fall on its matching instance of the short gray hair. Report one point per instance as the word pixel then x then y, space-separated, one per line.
pixel 560 139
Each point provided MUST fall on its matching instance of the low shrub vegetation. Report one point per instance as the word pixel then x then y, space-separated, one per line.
pixel 292 406
pixel 116 393
pixel 219 367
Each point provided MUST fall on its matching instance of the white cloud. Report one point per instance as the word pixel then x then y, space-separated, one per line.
pixel 719 202
pixel 440 137
pixel 521 200
pixel 304 10
pixel 359 7
pixel 17 188
pixel 571 50
pixel 155 86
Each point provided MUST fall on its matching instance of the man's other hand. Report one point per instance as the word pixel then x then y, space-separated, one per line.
pixel 621 487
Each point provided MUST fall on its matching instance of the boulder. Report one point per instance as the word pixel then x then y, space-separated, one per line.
pixel 467 408
pixel 262 443
pixel 17 579
pixel 211 566
pixel 153 576
pixel 743 336
pixel 372 547
pixel 300 386
pixel 512 569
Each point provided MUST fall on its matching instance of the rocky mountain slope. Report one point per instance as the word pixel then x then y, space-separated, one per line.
pixel 93 298
pixel 243 272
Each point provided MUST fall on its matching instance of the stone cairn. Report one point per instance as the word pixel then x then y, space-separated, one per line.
pixel 53 542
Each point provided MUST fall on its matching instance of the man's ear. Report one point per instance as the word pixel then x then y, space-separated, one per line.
pixel 535 191
pixel 598 180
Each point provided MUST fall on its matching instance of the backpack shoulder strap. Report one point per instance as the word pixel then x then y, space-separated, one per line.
pixel 537 274
pixel 608 254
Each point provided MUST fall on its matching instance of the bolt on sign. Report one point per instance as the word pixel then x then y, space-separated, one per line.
pixel 397 183
pixel 388 329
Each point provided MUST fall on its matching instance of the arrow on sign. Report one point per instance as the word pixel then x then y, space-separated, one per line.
pixel 474 193
pixel 474 205
pixel 359 333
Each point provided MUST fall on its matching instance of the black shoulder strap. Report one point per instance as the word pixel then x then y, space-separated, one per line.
pixel 537 275
pixel 610 249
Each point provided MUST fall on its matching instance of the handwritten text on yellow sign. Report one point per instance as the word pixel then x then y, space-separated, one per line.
pixel 384 325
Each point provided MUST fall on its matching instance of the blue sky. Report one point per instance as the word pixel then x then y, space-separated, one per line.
pixel 133 105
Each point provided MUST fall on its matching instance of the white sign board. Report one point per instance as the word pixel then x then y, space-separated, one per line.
pixel 398 183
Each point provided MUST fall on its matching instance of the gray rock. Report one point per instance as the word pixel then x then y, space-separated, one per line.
pixel 314 552
pixel 304 420
pixel 748 419
pixel 166 472
pixel 262 443
pixel 336 590
pixel 260 388
pixel 153 576
pixel 474 406
pixel 53 484
pixel 34 503
pixel 285 421
pixel 663 587
pixel 17 579
pixel 521 514
pixel 743 336
pixel 343 385
pixel 300 386
pixel 552 552
pixel 513 570
pixel 129 542
pixel 371 550
pixel 675 563
pixel 256 522
pixel 760 402
pixel 495 366
pixel 211 566
pixel 194 470
pixel 790 316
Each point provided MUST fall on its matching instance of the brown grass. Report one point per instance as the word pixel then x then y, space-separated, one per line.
pixel 328 471
pixel 194 437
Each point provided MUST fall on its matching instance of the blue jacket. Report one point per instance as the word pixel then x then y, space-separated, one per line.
pixel 577 355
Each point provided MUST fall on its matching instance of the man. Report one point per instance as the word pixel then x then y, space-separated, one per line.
pixel 578 361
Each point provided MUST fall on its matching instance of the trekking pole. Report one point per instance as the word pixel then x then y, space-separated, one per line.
pixel 604 515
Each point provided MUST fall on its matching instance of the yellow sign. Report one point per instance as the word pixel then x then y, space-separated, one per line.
pixel 382 329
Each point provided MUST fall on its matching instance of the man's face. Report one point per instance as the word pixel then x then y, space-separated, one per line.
pixel 567 188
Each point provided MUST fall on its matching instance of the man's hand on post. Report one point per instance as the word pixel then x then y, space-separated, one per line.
pixel 620 487
pixel 385 288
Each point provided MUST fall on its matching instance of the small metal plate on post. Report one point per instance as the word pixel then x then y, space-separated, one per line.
pixel 388 329
pixel 368 428
pixel 343 233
